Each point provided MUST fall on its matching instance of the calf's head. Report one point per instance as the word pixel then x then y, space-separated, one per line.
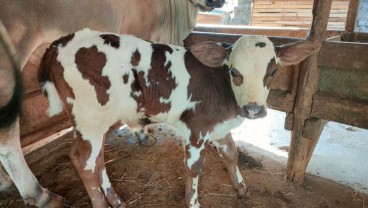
pixel 252 62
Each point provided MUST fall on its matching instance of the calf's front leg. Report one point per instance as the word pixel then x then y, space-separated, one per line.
pixel 85 154
pixel 227 150
pixel 194 160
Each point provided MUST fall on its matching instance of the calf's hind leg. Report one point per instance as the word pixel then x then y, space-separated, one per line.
pixel 227 150
pixel 112 197
pixel 5 181
pixel 88 158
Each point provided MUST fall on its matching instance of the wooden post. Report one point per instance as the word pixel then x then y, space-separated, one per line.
pixel 351 17
pixel 306 130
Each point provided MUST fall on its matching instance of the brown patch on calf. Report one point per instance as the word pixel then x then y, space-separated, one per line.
pixel 111 39
pixel 63 40
pixel 125 78
pixel 271 70
pixel 51 70
pixel 90 63
pixel 136 58
pixel 161 82
pixel 80 151
pixel 237 76
pixel 216 100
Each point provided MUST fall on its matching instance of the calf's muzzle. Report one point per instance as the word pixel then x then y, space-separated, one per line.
pixel 253 111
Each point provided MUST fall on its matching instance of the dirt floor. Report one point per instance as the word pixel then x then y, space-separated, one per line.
pixel 154 176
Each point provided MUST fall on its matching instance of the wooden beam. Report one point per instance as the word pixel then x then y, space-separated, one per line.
pixel 197 37
pixel 307 86
pixel 344 55
pixel 281 100
pixel 345 111
pixel 351 17
pixel 312 130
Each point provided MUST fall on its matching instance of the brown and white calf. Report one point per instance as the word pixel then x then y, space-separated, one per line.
pixel 203 91
pixel 40 22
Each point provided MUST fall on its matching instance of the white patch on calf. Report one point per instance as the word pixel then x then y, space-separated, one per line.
pixel 55 103
pixel 105 181
pixel 222 147
pixel 96 147
pixel 221 129
pixel 239 177
pixel 194 200
pixel 195 152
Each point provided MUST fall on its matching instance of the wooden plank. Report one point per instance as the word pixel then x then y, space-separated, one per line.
pixel 281 100
pixel 197 37
pixel 251 30
pixel 46 140
pixel 344 55
pixel 279 13
pixel 296 2
pixel 34 116
pixel 341 110
pixel 352 14
pixel 355 37
pixel 285 6
pixel 344 82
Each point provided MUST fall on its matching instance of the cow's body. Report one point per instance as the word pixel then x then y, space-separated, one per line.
pixel 34 22
pixel 104 78
pixel 40 22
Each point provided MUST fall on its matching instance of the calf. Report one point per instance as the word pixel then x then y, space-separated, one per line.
pixel 203 91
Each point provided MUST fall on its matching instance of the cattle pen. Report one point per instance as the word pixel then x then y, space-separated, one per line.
pixel 331 85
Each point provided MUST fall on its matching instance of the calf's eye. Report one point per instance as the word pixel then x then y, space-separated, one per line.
pixel 273 72
pixel 237 76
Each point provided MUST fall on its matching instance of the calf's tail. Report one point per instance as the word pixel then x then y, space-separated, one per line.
pixel 11 110
pixel 46 81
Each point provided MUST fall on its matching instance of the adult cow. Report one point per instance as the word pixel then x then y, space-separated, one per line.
pixel 205 91
pixel 34 22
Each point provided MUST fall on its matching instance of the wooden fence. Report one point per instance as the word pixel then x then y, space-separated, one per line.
pixel 295 13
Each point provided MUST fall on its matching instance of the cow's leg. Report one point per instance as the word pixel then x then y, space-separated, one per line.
pixel 12 158
pixel 194 160
pixel 5 181
pixel 84 154
pixel 113 198
pixel 227 150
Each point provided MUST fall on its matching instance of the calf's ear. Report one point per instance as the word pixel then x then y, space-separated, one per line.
pixel 210 54
pixel 296 52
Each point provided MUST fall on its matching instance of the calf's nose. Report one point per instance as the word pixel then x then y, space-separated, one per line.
pixel 254 110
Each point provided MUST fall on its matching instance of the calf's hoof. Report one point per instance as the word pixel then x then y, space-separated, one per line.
pixel 123 205
pixel 51 200
pixel 118 202
pixel 145 138
pixel 5 184
pixel 243 192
